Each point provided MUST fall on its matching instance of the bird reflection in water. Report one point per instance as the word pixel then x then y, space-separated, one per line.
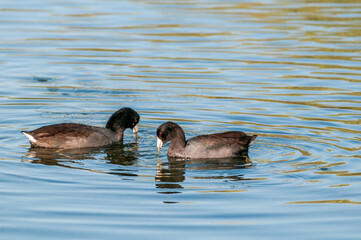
pixel 171 174
pixel 117 154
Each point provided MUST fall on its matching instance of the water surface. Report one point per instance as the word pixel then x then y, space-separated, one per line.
pixel 286 71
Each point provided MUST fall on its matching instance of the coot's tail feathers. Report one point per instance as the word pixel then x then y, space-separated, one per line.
pixel 251 140
pixel 29 136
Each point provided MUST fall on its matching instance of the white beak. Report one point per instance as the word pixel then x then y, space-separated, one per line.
pixel 135 129
pixel 159 144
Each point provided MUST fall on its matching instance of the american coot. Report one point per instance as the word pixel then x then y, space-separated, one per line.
pixel 75 135
pixel 218 145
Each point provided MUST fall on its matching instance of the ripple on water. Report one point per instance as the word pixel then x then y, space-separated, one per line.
pixel 286 71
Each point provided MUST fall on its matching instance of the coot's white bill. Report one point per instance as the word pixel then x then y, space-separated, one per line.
pixel 159 144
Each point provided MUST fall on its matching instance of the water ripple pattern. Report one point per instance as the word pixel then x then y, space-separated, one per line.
pixel 289 72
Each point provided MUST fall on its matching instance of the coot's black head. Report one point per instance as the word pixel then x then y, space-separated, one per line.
pixel 122 119
pixel 168 131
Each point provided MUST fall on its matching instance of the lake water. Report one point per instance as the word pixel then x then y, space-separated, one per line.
pixel 289 72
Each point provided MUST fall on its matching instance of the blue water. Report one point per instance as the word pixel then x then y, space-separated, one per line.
pixel 286 71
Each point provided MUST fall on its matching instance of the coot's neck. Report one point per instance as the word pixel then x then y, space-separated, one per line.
pixel 178 140
pixel 116 126
pixel 120 134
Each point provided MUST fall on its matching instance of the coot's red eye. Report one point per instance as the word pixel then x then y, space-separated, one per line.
pixel 160 133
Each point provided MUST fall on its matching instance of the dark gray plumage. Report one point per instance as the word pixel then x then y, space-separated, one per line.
pixel 218 145
pixel 75 135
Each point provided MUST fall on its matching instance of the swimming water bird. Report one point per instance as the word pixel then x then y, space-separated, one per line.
pixel 75 135
pixel 217 145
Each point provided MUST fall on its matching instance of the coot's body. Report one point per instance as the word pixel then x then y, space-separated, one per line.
pixel 75 135
pixel 218 145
